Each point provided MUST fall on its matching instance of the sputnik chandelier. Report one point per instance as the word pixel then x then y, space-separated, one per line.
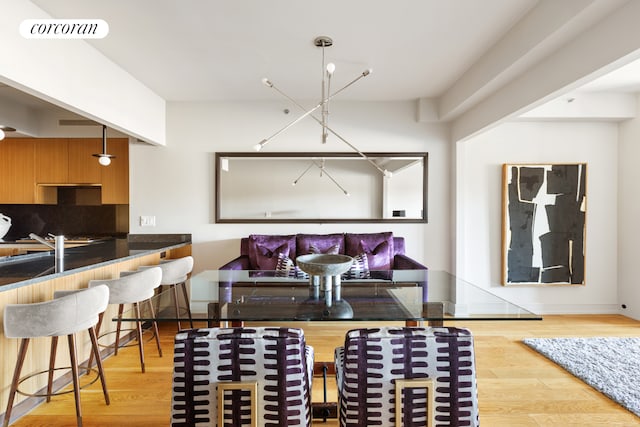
pixel 323 106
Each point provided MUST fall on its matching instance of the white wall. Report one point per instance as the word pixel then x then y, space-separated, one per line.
pixel 479 187
pixel 629 217
pixel 176 183
pixel 75 76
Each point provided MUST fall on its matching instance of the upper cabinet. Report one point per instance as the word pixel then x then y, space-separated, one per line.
pixel 83 167
pixel 67 161
pixel 17 171
pixel 52 162
pixel 31 169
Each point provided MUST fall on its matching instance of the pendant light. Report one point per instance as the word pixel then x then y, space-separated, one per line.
pixel 103 158
pixel 4 129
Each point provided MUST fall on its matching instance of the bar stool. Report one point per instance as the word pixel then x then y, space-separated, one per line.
pixel 175 272
pixel 131 288
pixel 61 316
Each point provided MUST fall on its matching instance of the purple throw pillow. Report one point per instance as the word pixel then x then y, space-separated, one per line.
pixel 377 246
pixel 331 250
pixel 267 259
pixel 269 244
pixel 321 242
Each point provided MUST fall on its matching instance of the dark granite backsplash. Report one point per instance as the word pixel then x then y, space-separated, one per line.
pixel 67 220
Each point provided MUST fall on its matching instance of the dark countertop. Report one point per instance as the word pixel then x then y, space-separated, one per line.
pixel 40 267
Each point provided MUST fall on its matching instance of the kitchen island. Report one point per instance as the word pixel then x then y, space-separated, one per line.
pixel 30 279
pixel 23 270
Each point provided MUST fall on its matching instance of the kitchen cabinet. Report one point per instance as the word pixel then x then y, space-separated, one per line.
pixel 115 177
pixel 67 161
pixel 17 171
pixel 83 167
pixel 52 163
pixel 32 169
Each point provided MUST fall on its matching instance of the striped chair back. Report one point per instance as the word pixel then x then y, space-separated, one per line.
pixel 407 376
pixel 266 371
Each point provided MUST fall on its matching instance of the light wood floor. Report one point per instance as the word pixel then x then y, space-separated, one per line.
pixel 516 386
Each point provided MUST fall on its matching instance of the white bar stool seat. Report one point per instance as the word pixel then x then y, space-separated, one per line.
pixel 65 315
pixel 175 272
pixel 132 288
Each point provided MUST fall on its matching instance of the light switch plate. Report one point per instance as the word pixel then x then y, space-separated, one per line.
pixel 147 220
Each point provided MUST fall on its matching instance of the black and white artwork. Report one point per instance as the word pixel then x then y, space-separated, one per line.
pixel 544 212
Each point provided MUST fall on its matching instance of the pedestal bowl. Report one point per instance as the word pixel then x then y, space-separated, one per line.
pixel 324 264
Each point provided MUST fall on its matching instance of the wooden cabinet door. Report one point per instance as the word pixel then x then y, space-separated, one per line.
pixel 17 171
pixel 52 162
pixel 83 167
pixel 115 177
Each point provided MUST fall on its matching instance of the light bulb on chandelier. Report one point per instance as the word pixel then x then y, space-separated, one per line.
pixel 331 67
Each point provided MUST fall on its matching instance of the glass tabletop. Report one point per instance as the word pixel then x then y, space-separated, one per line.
pixel 394 295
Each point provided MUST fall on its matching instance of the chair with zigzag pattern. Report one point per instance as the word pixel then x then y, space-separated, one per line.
pixel 237 376
pixel 407 376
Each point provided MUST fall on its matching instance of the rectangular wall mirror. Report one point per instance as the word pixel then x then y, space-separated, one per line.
pixel 321 187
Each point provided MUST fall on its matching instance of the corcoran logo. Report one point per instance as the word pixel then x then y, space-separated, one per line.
pixel 64 28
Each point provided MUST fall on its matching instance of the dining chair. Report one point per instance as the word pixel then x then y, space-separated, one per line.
pixel 237 376
pixel 407 376
pixel 66 314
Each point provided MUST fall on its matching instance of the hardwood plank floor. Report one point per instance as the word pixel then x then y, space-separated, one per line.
pixel 516 386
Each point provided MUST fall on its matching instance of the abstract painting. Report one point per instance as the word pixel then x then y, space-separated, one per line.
pixel 543 233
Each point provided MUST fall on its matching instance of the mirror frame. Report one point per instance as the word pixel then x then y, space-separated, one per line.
pixel 220 155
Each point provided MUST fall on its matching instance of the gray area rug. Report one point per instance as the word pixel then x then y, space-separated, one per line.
pixel 610 365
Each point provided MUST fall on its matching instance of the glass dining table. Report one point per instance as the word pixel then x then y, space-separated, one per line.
pixel 413 296
pixel 417 297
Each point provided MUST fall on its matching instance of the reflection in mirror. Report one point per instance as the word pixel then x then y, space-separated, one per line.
pixel 320 187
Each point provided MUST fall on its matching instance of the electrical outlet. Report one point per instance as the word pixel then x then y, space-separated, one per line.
pixel 147 221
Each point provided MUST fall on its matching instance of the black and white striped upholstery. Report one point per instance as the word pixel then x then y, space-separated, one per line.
pixel 277 358
pixel 373 359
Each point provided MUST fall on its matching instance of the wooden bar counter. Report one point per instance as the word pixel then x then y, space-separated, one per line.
pixel 34 279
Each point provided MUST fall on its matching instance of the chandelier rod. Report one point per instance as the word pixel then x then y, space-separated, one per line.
pixel 268 83
pixel 326 77
pixel 354 148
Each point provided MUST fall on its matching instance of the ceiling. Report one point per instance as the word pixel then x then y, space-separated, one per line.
pixel 196 50
pixel 220 50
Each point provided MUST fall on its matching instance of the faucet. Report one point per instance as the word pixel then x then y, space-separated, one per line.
pixel 58 247
pixel 41 240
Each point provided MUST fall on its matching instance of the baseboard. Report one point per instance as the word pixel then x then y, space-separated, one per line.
pixel 574 308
